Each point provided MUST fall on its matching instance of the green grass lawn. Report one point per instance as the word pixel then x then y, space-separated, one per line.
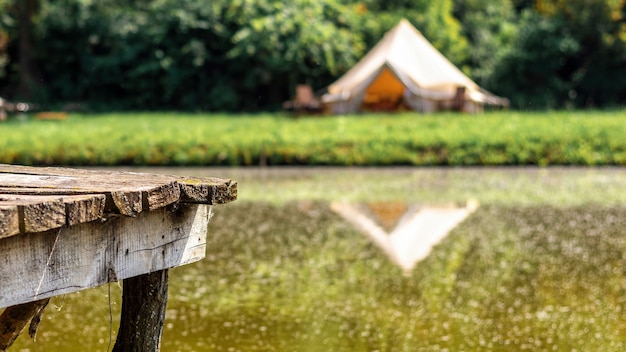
pixel 496 138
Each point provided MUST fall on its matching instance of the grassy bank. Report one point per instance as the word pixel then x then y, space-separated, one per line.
pixel 498 138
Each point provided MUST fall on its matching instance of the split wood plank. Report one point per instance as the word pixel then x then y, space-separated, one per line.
pixel 208 189
pixel 9 221
pixel 14 319
pixel 70 259
pixel 129 203
pixel 78 208
pixel 128 193
pixel 194 189
pixel 128 196
pixel 42 213
pixel 38 215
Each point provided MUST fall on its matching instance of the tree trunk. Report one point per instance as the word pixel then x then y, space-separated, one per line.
pixel 144 301
pixel 29 78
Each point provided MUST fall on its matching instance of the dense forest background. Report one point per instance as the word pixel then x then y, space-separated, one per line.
pixel 247 55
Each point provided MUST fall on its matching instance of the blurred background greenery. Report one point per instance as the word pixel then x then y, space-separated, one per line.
pixel 234 55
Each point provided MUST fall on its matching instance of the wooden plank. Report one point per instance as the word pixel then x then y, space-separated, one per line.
pixel 143 313
pixel 157 190
pixel 127 195
pixel 125 202
pixel 14 319
pixel 83 208
pixel 70 259
pixel 9 221
pixel 132 190
pixel 222 187
pixel 207 190
pixel 162 195
pixel 78 209
pixel 37 214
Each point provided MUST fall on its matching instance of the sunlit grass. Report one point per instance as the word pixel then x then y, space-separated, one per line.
pixel 177 139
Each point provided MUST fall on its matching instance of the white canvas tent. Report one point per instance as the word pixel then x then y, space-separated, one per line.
pixel 404 69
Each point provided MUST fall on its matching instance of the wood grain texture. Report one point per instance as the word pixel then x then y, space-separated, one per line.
pixel 125 193
pixel 64 230
pixel 78 209
pixel 14 319
pixel 84 208
pixel 69 259
pixel 9 220
pixel 143 313
pixel 207 190
pixel 125 201
pixel 37 214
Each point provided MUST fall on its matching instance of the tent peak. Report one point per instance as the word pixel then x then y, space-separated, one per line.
pixel 404 66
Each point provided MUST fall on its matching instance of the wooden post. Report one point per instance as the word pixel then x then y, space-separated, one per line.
pixel 14 319
pixel 143 313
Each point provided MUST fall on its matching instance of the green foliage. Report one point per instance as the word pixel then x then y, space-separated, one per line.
pixel 246 55
pixel 209 55
pixel 568 53
pixel 584 138
pixel 433 18
pixel 490 27
pixel 149 55
pixel 285 43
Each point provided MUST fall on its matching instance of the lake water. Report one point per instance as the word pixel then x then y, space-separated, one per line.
pixel 539 266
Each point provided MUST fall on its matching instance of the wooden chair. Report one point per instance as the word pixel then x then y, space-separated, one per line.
pixel 304 102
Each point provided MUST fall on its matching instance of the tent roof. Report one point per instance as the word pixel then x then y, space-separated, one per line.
pixel 418 64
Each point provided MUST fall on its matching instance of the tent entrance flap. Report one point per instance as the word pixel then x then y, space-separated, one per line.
pixel 385 92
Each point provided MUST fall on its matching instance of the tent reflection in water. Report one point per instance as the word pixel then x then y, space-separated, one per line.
pixel 404 71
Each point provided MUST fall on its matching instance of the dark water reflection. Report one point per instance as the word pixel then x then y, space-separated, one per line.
pixel 545 274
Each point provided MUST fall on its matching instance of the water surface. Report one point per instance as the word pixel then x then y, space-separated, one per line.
pixel 539 266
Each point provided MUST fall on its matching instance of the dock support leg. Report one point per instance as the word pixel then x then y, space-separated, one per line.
pixel 14 319
pixel 144 300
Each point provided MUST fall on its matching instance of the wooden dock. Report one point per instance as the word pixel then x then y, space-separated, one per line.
pixel 64 230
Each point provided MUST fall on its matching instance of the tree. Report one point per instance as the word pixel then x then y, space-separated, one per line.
pixel 433 18
pixel 567 55
pixel 490 27
pixel 17 23
pixel 29 77
pixel 138 55
pixel 4 37
pixel 280 44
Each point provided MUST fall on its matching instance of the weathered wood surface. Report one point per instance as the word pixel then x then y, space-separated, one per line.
pixel 69 259
pixel 143 310
pixel 14 319
pixel 64 230
pixel 37 195
pixel 42 213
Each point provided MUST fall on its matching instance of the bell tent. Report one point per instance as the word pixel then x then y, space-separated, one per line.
pixel 405 71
